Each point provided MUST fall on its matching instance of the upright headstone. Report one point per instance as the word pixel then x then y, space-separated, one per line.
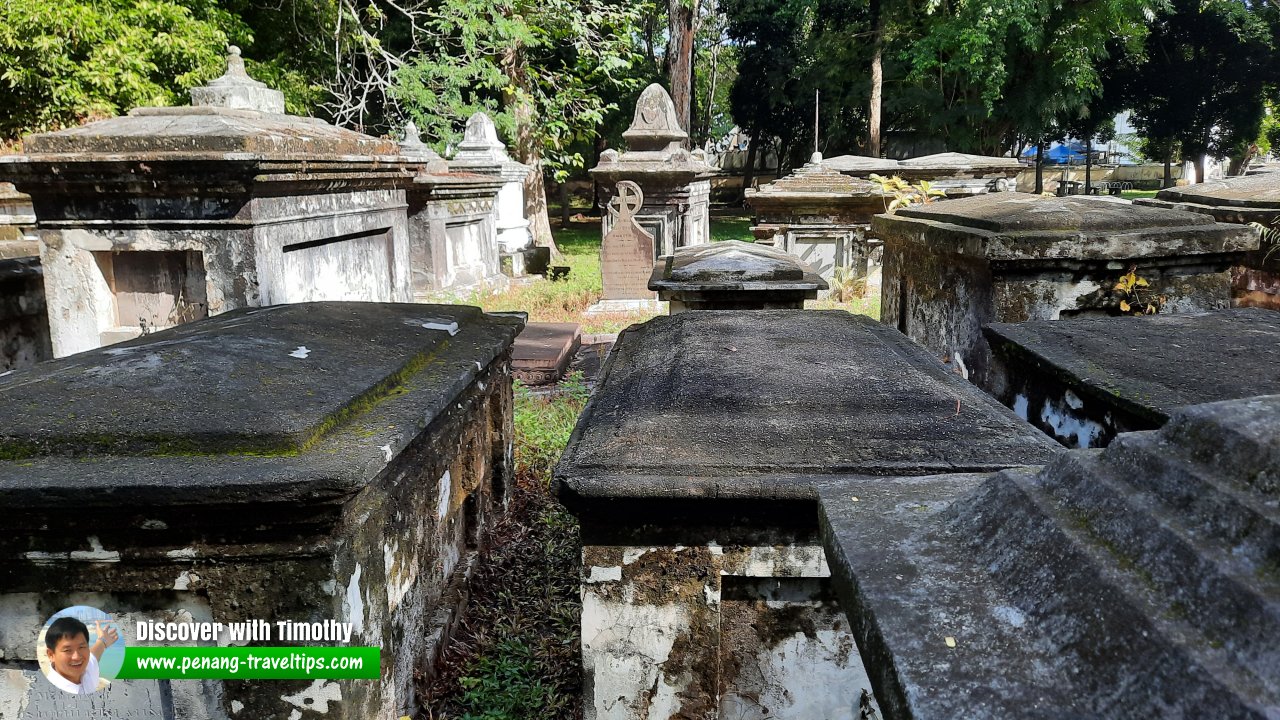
pixel 625 258
pixel 482 152
pixel 675 182
pixel 171 214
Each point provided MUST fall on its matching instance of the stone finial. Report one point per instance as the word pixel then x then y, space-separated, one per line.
pixel 481 150
pixel 411 145
pixel 236 90
pixel 481 133
pixel 655 125
pixel 815 158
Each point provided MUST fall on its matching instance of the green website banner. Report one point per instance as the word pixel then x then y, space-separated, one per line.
pixel 249 663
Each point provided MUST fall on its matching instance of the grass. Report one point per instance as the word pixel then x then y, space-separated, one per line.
pixel 1131 194
pixel 517 654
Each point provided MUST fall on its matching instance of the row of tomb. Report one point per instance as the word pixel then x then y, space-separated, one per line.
pixel 785 513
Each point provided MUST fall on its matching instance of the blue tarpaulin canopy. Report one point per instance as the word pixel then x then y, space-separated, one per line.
pixel 1059 154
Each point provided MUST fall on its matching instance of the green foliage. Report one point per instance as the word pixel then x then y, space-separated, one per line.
pixel 549 68
pixel 65 61
pixel 543 424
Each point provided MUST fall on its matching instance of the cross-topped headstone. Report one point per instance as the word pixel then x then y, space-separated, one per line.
pixel 626 257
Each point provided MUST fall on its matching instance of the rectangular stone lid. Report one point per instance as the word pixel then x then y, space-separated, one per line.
pixel 737 403
pixel 733 265
pixel 1021 226
pixel 1252 191
pixel 269 380
pixel 1151 365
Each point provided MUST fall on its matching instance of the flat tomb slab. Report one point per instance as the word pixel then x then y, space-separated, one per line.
pixel 1148 367
pixel 735 404
pixel 542 351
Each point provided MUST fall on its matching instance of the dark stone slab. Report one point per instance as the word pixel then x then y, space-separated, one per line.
pixel 738 404
pixel 734 275
pixel 1252 192
pixel 1137 371
pixel 1135 582
pixel 228 406
pixel 543 351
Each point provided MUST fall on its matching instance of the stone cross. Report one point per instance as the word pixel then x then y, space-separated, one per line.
pixel 626 255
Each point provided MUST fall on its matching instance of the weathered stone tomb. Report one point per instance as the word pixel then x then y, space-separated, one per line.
pixel 951 267
pixel 706 591
pixel 734 275
pixel 674 181
pixel 482 152
pixel 311 462
pixel 820 215
pixel 171 214
pixel 1253 198
pixel 1134 582
pixel 1084 380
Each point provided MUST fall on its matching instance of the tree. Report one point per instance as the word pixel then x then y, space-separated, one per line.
pixel 679 57
pixel 1208 67
pixel 67 61
pixel 541 68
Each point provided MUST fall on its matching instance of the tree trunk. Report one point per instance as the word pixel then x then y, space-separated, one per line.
pixel 1040 166
pixel 1088 165
pixel 1200 168
pixel 680 15
pixel 749 172
pixel 564 204
pixel 528 151
pixel 877 80
pixel 1168 169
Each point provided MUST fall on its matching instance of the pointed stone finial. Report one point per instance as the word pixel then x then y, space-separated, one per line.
pixel 655 125
pixel 411 145
pixel 235 89
pixel 481 133
pixel 815 158
pixel 481 150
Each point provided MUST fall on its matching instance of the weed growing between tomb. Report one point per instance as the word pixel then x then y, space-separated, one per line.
pixel 517 652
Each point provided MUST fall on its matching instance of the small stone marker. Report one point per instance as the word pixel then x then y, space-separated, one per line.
pixel 542 352
pixel 626 257
pixel 1084 380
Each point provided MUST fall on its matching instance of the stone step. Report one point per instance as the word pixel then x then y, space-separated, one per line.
pixel 1184 578
pixel 1105 622
pixel 1245 527
pixel 1238 439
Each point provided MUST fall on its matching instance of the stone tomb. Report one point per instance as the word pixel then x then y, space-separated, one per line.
pixel 733 275
pixel 705 587
pixel 171 214
pixel 675 182
pixel 952 267
pixel 1084 380
pixel 1254 198
pixel 312 462
pixel 1135 582
pixel 482 152
pixel 819 215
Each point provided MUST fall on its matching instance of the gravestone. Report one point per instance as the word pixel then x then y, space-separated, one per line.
pixel 1133 582
pixel 171 214
pixel 951 267
pixel 33 697
pixel 308 462
pixel 705 590
pixel 733 275
pixel 675 182
pixel 1084 380
pixel 1242 200
pixel 625 257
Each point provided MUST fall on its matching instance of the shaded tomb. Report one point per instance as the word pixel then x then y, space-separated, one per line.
pixel 1249 199
pixel 1084 380
pixel 733 275
pixel 1135 582
pixel 311 462
pixel 175 213
pixel 705 587
pixel 952 267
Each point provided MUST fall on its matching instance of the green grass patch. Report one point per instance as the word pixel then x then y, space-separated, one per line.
pixel 517 654
pixel 1131 194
